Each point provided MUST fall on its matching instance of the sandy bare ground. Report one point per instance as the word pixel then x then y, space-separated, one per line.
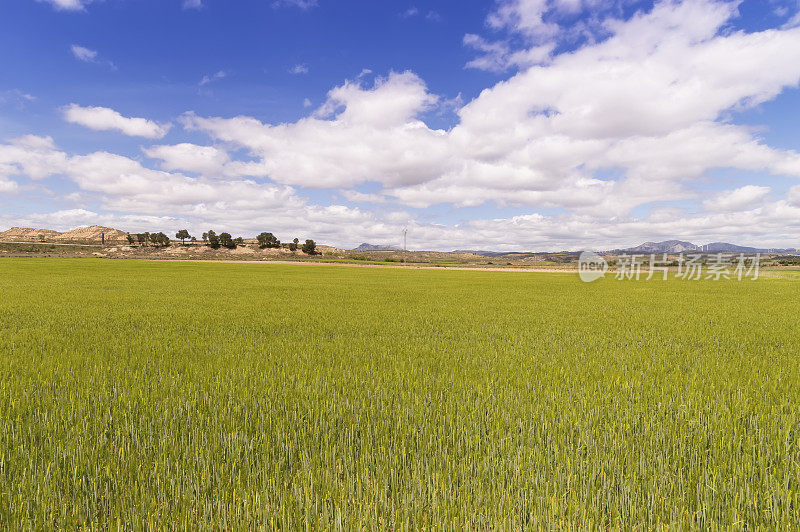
pixel 396 266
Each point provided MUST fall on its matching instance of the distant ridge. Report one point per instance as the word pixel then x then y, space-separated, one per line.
pixel 679 246
pixel 376 247
pixel 667 246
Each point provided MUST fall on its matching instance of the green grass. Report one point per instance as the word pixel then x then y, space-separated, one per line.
pixel 43 248
pixel 231 396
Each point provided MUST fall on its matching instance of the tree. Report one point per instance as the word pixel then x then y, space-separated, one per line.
pixel 153 238
pixel 226 240
pixel 310 247
pixel 141 239
pixel 130 239
pixel 182 235
pixel 239 241
pixel 162 239
pixel 146 236
pixel 194 239
pixel 268 240
pixel 205 237
pixel 213 239
pixel 293 245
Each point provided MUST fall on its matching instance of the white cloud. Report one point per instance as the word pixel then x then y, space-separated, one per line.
pixel 7 185
pixel 737 200
pixel 221 74
pixel 359 134
pixel 103 118
pixel 31 156
pixel 794 195
pixel 153 199
pixel 524 16
pixel 634 119
pixel 192 4
pixel 299 69
pixel 186 157
pixel 83 54
pixel 498 56
pixel 87 55
pixel 648 104
pixel 17 98
pixel 68 5
pixel 361 197
pixel 302 4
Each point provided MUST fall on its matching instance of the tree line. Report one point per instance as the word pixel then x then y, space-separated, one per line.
pixel 215 241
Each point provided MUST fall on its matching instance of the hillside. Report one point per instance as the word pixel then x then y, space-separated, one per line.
pixel 679 246
pixel 93 235
pixel 27 234
pixel 668 246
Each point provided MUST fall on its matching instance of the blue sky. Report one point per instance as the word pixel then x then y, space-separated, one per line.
pixel 500 124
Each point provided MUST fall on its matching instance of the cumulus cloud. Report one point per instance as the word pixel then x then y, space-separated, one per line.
pixel 737 200
pixel 187 157
pixel 648 104
pixel 68 5
pixel 192 4
pixel 103 118
pixel 358 134
pixel 31 156
pixel 637 118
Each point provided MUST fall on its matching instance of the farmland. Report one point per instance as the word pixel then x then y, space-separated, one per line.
pixel 201 395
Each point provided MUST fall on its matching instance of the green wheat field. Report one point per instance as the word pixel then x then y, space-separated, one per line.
pixel 235 396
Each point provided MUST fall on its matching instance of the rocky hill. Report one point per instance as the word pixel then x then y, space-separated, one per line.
pixel 27 234
pixel 82 235
pixel 93 235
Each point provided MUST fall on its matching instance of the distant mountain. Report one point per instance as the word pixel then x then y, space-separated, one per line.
pixel 516 254
pixel 679 246
pixel 724 247
pixel 376 247
pixel 667 246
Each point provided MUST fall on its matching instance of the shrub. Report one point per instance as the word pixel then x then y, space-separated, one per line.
pixel 268 240
pixel 226 240
pixel 310 247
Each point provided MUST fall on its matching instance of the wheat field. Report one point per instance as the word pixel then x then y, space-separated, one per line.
pixel 231 396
